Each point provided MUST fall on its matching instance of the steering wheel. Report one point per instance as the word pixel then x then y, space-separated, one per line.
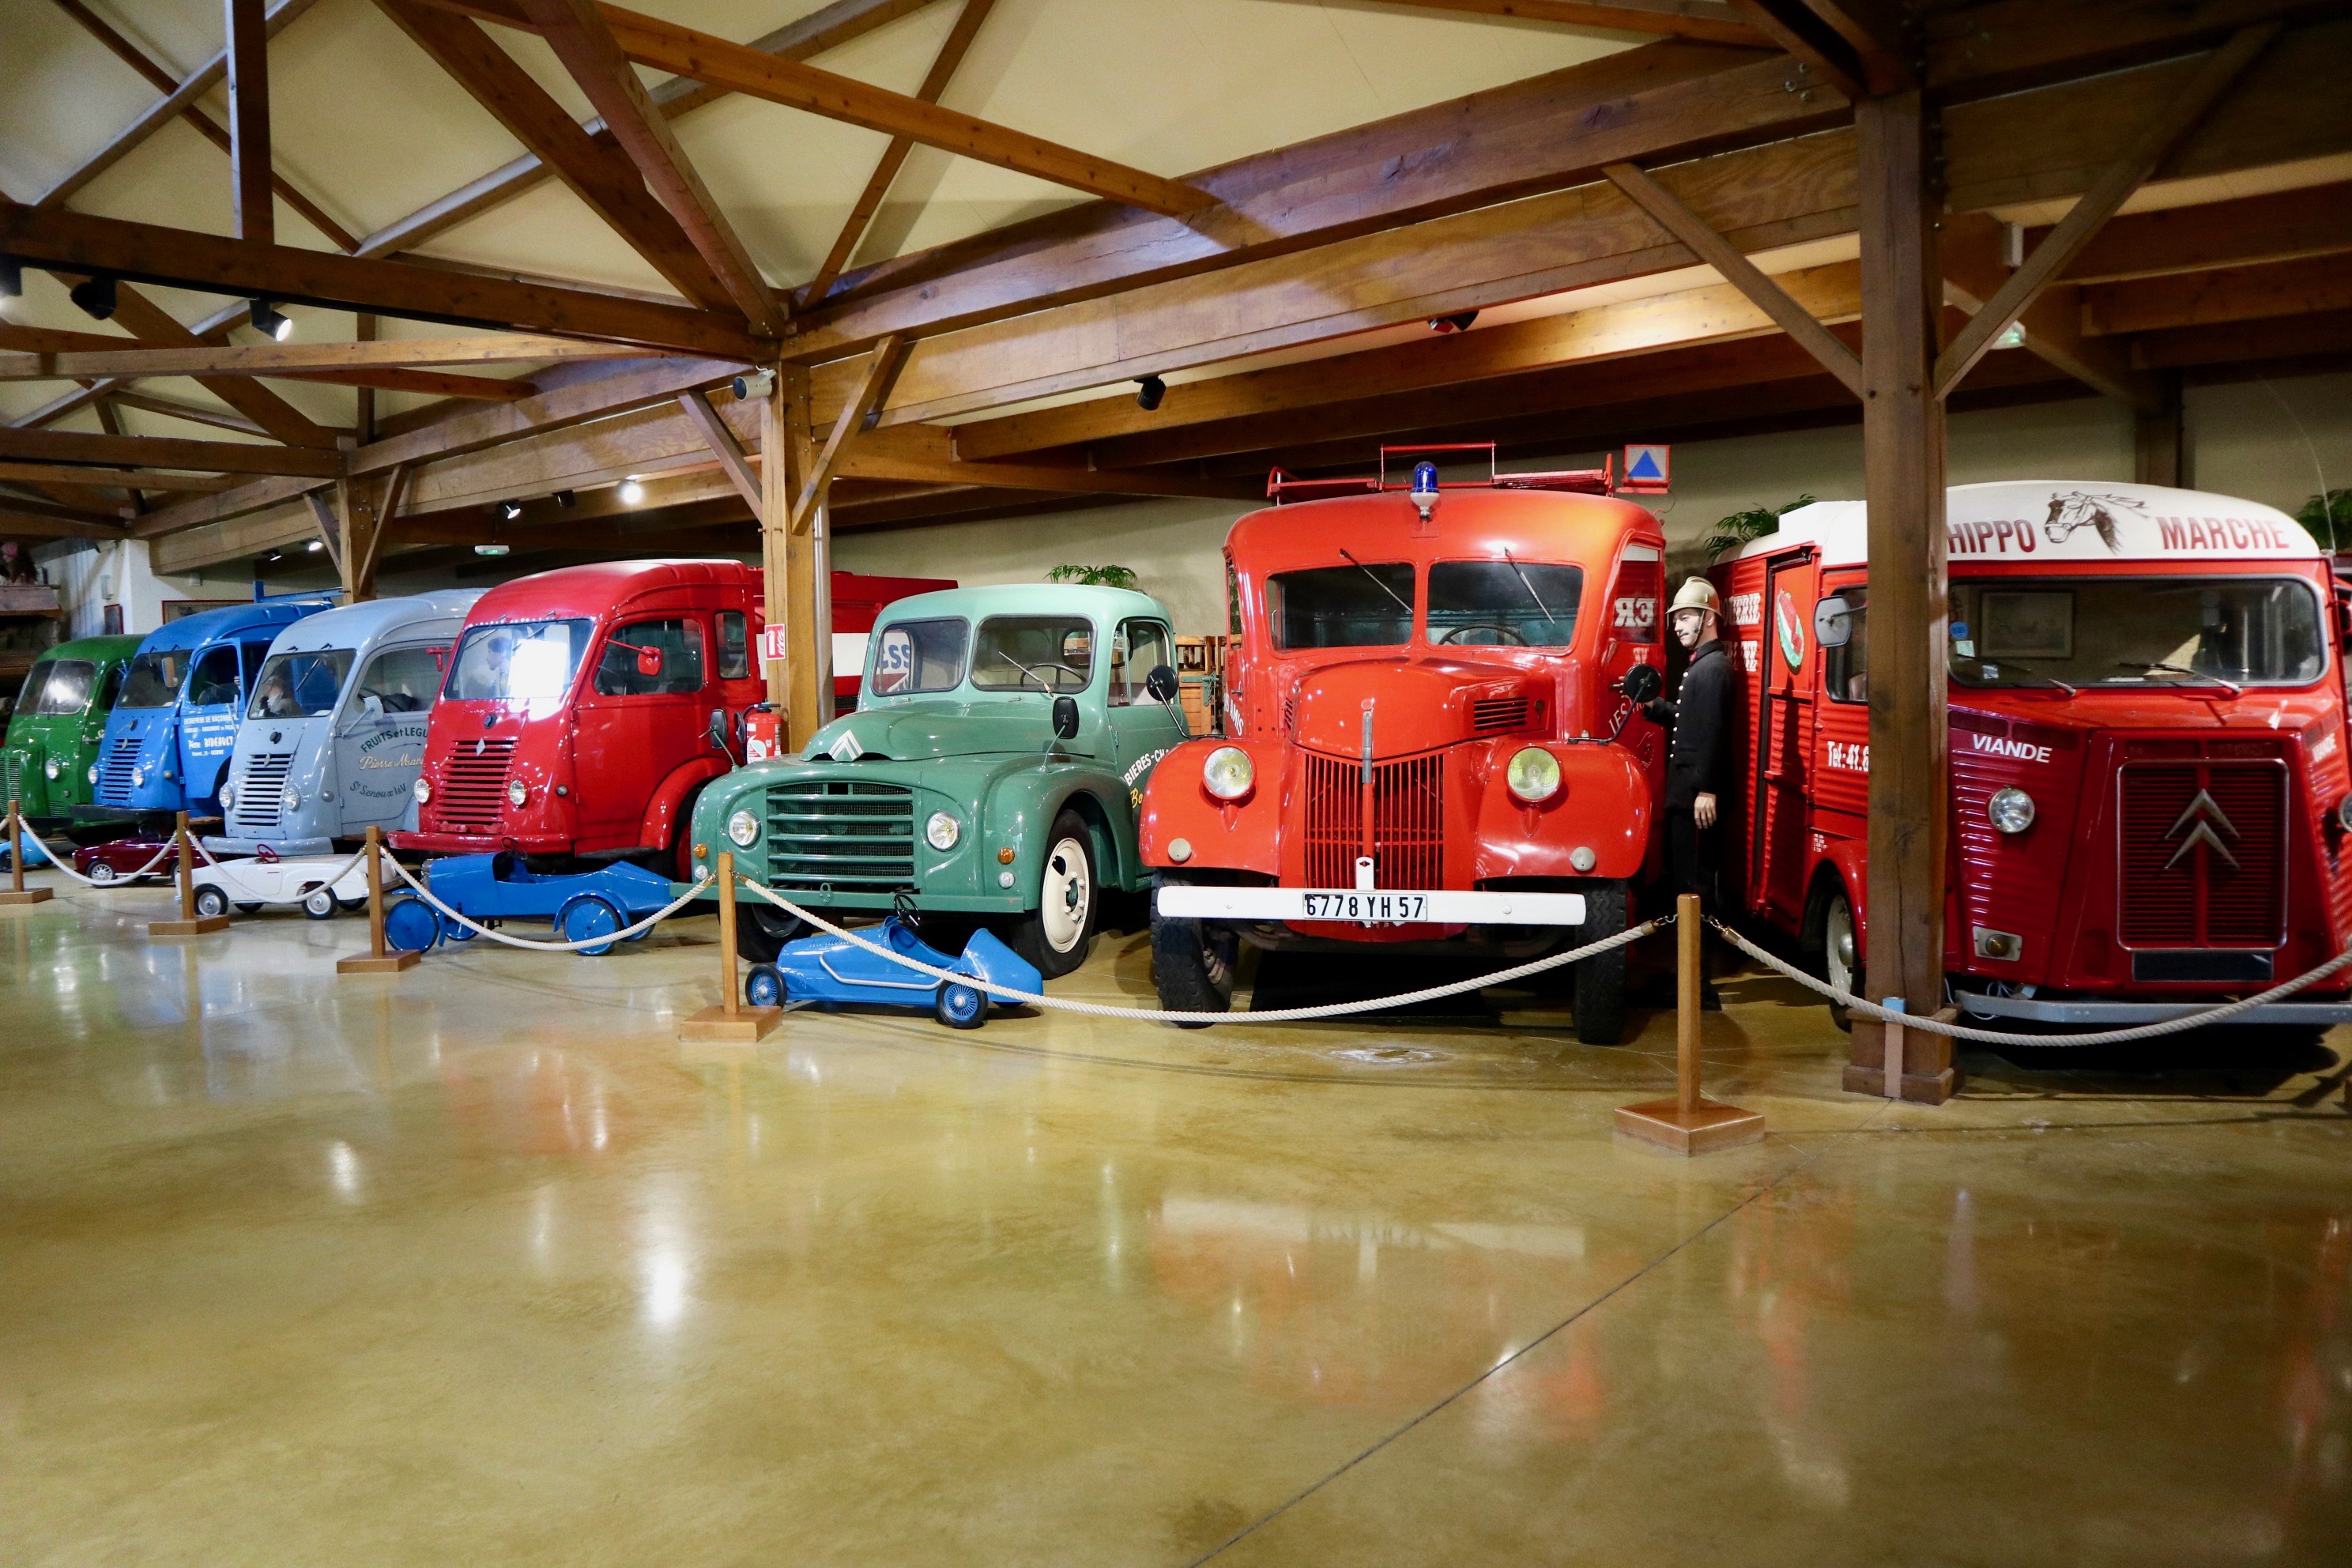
pixel 1029 672
pixel 1503 636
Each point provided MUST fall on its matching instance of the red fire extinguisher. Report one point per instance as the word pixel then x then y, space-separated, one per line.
pixel 762 732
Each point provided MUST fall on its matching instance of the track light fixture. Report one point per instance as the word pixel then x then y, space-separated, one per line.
pixel 631 493
pixel 95 296
pixel 275 323
pixel 1457 323
pixel 1148 391
pixel 566 500
pixel 754 383
pixel 12 278
pixel 510 510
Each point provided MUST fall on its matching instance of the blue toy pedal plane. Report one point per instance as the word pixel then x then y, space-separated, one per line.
pixel 489 889
pixel 829 970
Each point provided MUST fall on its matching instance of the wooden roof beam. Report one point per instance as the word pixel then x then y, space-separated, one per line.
pixel 2227 294
pixel 858 412
pixel 113 479
pixel 1707 20
pixel 2281 225
pixel 1858 46
pixel 252 201
pixel 1971 252
pixel 83 358
pixel 164 452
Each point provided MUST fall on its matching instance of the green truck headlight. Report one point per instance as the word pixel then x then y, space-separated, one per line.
pixel 744 829
pixel 942 831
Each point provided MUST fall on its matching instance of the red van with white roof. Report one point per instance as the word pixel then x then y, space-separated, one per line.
pixel 2150 802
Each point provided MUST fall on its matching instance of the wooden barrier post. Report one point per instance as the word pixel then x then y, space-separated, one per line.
pixel 731 1022
pixel 17 895
pixel 1689 1123
pixel 190 923
pixel 379 958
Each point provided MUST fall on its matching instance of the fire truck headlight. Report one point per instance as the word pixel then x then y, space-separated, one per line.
pixel 517 792
pixel 743 828
pixel 1229 773
pixel 942 831
pixel 1533 775
pixel 421 790
pixel 2011 810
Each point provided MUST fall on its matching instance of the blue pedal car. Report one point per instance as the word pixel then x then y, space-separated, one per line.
pixel 492 888
pixel 828 969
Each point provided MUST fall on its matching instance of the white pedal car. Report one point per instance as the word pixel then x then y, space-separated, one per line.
pixel 250 884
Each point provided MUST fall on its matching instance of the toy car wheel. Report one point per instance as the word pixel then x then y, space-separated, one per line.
pixel 211 902
pixel 101 873
pixel 764 986
pixel 960 1006
pixel 410 925
pixel 252 909
pixel 318 903
pixel 762 930
pixel 1600 980
pixel 351 906
pixel 1055 936
pixel 589 917
pixel 1193 961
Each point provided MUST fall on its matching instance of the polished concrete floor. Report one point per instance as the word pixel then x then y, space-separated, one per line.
pixel 476 1264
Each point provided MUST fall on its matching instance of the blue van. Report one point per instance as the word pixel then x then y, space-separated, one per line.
pixel 168 740
pixel 333 735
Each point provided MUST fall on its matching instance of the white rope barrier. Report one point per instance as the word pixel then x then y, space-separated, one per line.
pixel 1162 1016
pixel 61 865
pixel 2204 1017
pixel 648 924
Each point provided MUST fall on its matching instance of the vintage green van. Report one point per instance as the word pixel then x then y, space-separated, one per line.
pixel 1001 742
pixel 61 718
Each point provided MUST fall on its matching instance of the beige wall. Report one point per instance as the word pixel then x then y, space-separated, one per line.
pixel 2243 442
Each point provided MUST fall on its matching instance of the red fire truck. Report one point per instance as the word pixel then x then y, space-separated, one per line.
pixel 2149 794
pixel 1432 740
pixel 857 604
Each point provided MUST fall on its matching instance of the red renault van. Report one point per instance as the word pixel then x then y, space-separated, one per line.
pixel 575 721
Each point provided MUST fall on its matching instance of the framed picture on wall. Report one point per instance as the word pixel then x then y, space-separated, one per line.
pixel 112 617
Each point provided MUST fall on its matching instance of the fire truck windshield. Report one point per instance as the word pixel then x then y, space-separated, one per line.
pixel 1355 605
pixel 1503 603
pixel 517 661
pixel 2209 634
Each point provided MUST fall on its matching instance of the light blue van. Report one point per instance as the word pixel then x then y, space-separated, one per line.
pixel 334 732
pixel 168 740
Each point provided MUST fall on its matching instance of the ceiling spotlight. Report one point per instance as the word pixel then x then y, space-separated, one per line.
pixel 510 510
pixel 315 544
pixel 1148 391
pixel 631 493
pixel 1457 323
pixel 566 500
pixel 491 549
pixel 12 278
pixel 95 296
pixel 266 319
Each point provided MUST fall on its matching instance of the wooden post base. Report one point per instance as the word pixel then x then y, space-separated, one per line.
pixel 1711 1127
pixel 24 898
pixel 1866 1073
pixel 203 925
pixel 717 1025
pixel 392 963
pixel 1919 1089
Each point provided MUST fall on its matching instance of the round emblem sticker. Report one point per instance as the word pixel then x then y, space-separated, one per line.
pixel 1791 627
pixel 894 661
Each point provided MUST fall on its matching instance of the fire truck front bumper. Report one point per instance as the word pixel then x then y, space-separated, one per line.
pixel 1372 907
pixel 2048 1010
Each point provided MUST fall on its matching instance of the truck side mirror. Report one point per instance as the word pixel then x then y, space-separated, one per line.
pixel 1832 623
pixel 1642 684
pixel 719 728
pixel 1065 718
pixel 1160 684
pixel 649 663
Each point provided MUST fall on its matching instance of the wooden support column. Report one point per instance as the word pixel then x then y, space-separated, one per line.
pixel 788 549
pixel 2160 438
pixel 248 120
pixel 1903 478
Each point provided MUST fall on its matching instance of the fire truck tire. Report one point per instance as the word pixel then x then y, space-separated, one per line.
pixel 1192 965
pixel 1600 980
pixel 1057 934
pixel 1837 956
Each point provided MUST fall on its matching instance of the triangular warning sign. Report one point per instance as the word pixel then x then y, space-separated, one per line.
pixel 1646 465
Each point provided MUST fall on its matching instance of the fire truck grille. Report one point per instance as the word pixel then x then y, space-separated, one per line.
pixel 2203 855
pixel 851 835
pixel 114 775
pixel 473 789
pixel 1496 714
pixel 1408 822
pixel 257 796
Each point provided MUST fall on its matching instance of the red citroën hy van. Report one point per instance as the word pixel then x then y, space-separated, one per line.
pixel 2148 785
pixel 576 718
pixel 1431 742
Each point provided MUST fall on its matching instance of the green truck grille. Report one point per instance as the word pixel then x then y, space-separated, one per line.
pixel 850 835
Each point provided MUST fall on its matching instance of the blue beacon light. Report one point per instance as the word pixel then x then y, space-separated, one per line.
pixel 1424 489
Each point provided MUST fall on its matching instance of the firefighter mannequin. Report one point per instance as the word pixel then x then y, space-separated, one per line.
pixel 1701 719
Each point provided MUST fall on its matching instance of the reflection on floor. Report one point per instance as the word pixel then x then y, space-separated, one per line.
pixel 476 1264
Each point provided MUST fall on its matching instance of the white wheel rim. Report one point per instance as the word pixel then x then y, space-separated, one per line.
pixel 100 871
pixel 1839 945
pixel 1066 895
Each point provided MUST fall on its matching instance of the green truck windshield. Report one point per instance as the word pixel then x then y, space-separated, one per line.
pixel 69 688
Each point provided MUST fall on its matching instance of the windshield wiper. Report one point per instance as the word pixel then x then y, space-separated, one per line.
pixel 2234 689
pixel 1375 576
pixel 2020 664
pixel 1531 588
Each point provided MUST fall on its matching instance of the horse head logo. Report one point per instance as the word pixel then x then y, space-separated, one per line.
pixel 2071 510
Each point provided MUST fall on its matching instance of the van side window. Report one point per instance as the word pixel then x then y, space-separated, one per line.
pixel 401 680
pixel 734 646
pixel 1140 647
pixel 680 643
pixel 214 684
pixel 1846 671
